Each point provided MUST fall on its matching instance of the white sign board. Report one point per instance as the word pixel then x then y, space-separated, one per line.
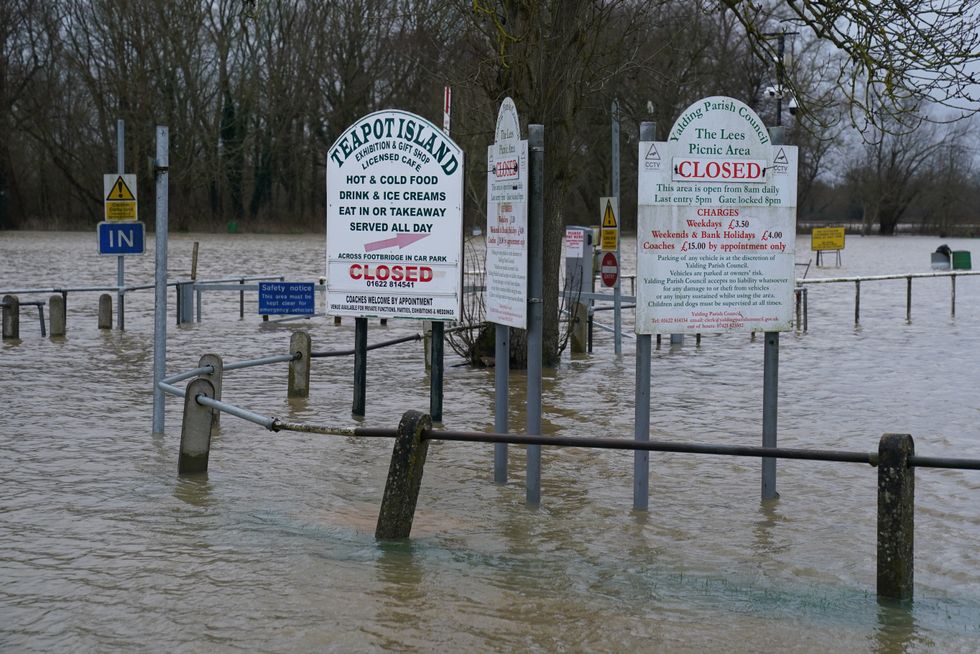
pixel 506 264
pixel 574 243
pixel 716 232
pixel 394 220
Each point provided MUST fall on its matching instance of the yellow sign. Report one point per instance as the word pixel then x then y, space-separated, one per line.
pixel 609 229
pixel 609 216
pixel 120 197
pixel 827 238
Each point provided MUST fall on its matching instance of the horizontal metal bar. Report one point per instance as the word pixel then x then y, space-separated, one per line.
pixel 203 286
pixel 870 458
pixel 944 462
pixel 203 370
pixel 874 278
pixel 279 358
pixel 238 412
pixel 612 308
pixel 343 353
pixel 280 425
pixel 252 278
pixel 173 390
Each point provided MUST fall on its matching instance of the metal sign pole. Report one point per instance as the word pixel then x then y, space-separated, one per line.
pixel 161 170
pixel 617 289
pixel 641 403
pixel 120 260
pixel 535 310
pixel 501 404
pixel 770 387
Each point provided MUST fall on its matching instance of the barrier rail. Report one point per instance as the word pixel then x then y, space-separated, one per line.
pixel 895 458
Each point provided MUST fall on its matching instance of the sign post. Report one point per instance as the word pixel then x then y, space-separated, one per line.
pixel 506 262
pixel 716 230
pixel 394 223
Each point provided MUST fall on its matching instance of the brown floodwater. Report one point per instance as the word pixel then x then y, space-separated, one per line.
pixel 104 548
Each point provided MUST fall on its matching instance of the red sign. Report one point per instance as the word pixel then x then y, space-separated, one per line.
pixel 609 269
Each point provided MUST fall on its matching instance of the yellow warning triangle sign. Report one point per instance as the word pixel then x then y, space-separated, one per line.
pixel 608 218
pixel 120 191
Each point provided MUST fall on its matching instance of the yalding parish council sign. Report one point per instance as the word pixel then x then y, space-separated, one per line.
pixel 716 233
pixel 394 220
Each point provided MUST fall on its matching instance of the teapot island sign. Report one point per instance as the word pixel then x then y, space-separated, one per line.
pixel 394 220
pixel 716 232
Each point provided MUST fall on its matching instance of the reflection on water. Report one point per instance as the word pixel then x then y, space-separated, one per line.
pixel 105 547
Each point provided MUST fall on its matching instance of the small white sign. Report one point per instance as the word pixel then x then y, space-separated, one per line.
pixel 574 243
pixel 394 220
pixel 506 234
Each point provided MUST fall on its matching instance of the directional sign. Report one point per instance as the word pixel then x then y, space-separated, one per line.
pixel 119 192
pixel 609 269
pixel 394 220
pixel 286 298
pixel 609 226
pixel 121 238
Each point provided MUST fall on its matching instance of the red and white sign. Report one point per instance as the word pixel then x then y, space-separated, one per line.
pixel 394 220
pixel 716 230
pixel 506 235
pixel 690 169
pixel 609 269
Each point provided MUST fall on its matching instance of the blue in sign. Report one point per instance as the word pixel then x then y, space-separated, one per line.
pixel 121 238
pixel 286 298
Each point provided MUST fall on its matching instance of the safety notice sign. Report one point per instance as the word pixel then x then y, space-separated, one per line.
pixel 394 220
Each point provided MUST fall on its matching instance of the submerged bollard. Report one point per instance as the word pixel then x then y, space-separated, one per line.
pixel 299 369
pixel 57 315
pixel 404 477
pixel 195 432
pixel 215 378
pixel 896 508
pixel 11 316
pixel 105 311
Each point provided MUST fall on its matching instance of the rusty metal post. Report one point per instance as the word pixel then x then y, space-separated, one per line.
pixel 11 316
pixel 195 431
pixel 105 311
pixel 896 509
pixel 299 369
pixel 404 477
pixel 215 378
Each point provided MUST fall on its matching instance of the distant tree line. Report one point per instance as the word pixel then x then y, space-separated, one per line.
pixel 255 91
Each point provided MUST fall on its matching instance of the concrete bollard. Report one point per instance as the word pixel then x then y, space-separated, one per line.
pixel 404 477
pixel 896 508
pixel 57 315
pixel 195 431
pixel 105 311
pixel 11 316
pixel 299 369
pixel 215 378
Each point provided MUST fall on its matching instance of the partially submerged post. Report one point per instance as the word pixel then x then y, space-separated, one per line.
pixel 195 432
pixel 11 316
pixel 404 477
pixel 360 367
pixel 105 311
pixel 896 513
pixel 216 377
pixel 57 315
pixel 299 368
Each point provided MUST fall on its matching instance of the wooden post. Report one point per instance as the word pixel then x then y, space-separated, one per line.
pixel 299 369
pixel 896 508
pixel 215 378
pixel 195 431
pixel 105 311
pixel 57 315
pixel 404 477
pixel 11 316
pixel 360 367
